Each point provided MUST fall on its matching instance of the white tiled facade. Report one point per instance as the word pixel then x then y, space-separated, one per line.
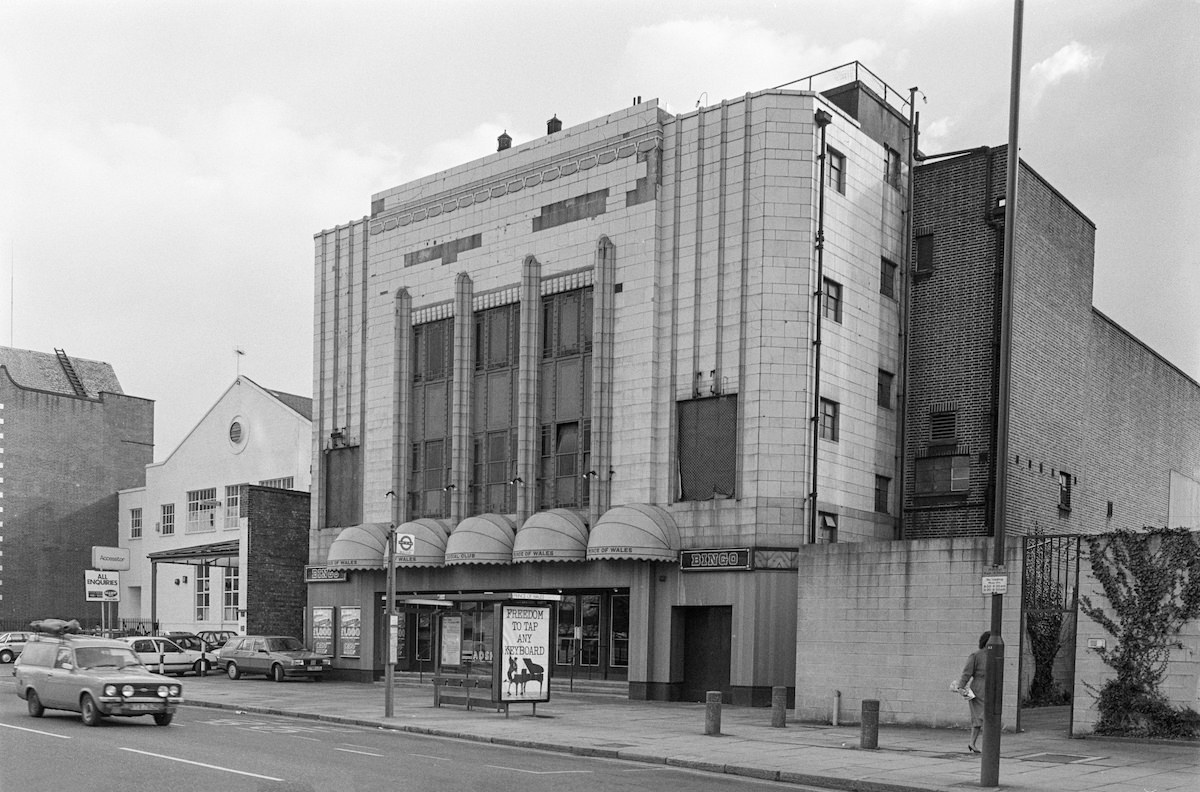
pixel 703 271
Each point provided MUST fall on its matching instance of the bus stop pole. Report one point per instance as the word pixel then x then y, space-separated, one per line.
pixel 389 666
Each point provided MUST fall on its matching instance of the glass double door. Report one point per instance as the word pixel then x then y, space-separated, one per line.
pixel 593 634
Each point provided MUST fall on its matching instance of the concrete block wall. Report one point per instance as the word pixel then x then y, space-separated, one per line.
pixel 896 621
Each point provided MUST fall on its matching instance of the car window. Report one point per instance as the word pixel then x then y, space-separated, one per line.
pixel 143 645
pixel 63 658
pixel 106 656
pixel 285 645
pixel 170 646
pixel 258 645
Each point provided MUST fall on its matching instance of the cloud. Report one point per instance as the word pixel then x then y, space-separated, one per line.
pixel 714 58
pixel 1074 58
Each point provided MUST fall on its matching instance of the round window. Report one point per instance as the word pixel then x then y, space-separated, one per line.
pixel 235 432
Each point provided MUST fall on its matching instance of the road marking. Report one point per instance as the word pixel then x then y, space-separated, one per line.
pixel 362 753
pixel 36 731
pixel 427 756
pixel 201 764
pixel 539 772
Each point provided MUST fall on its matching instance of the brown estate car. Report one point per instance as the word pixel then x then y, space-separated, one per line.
pixel 277 656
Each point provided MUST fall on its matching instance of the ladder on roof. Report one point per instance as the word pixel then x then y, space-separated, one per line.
pixel 72 375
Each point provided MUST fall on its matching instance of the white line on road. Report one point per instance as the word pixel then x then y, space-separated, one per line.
pixel 36 731
pixel 362 753
pixel 201 764
pixel 539 772
pixel 427 756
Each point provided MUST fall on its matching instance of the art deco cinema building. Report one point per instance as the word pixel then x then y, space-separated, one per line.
pixel 567 366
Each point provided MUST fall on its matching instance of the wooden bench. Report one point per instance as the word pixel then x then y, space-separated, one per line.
pixel 459 692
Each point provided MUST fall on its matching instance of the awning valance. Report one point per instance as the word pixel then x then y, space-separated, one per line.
pixel 636 530
pixel 222 554
pixel 429 543
pixel 483 539
pixel 361 546
pixel 554 535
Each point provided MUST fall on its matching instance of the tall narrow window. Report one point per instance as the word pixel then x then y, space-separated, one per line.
pixel 494 410
pixel 887 278
pixel 135 523
pixel 168 519
pixel 925 253
pixel 1064 490
pixel 832 304
pixel 829 420
pixel 233 499
pixel 883 489
pixel 884 396
pixel 564 400
pixel 429 429
pixel 202 592
pixel 231 596
pixel 835 170
pixel 891 166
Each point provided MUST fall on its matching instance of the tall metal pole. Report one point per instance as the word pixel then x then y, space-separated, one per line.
pixel 823 119
pixel 389 666
pixel 993 701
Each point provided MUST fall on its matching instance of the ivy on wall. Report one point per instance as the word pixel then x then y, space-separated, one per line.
pixel 1151 579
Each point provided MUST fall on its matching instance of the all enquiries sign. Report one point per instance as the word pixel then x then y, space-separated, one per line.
pixel 524 668
pixel 102 586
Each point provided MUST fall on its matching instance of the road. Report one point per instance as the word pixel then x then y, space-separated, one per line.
pixel 209 749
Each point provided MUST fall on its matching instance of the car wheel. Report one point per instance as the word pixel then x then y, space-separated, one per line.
pixel 34 703
pixel 201 667
pixel 163 718
pixel 89 711
pixel 232 671
pixel 277 672
pixel 6 656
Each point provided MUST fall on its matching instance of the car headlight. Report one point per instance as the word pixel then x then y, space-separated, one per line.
pixel 297 662
pixel 127 691
pixel 162 691
pixel 110 690
pixel 175 691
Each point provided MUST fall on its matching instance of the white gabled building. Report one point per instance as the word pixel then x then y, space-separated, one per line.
pixel 187 528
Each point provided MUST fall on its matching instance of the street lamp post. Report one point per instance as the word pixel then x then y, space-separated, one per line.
pixel 389 666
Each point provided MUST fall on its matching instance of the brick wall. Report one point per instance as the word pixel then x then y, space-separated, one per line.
pixel 277 539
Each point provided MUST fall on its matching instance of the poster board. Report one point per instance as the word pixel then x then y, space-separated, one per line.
pixel 450 641
pixel 322 630
pixel 350 631
pixel 523 673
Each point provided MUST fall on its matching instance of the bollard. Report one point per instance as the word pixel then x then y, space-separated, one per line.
pixel 870 724
pixel 712 712
pixel 837 707
pixel 778 707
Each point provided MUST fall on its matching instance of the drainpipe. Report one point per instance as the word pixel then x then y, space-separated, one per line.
pixel 822 118
pixel 905 313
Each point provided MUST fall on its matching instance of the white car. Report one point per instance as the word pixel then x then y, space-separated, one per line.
pixel 11 645
pixel 162 655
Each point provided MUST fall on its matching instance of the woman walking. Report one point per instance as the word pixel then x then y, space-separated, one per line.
pixel 971 685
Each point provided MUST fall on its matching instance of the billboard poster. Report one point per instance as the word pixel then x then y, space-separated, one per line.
pixel 451 643
pixel 102 586
pixel 524 669
pixel 322 630
pixel 350 631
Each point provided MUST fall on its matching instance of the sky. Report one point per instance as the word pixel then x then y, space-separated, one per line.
pixel 164 166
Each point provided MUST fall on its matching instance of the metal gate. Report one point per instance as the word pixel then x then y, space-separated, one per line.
pixel 1049 604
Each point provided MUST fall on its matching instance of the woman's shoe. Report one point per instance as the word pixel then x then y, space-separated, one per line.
pixel 972 749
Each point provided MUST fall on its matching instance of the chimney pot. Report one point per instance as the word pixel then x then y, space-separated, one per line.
pixel 504 141
pixel 553 125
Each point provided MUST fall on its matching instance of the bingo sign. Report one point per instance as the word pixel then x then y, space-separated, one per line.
pixel 102 586
pixel 350 631
pixel 524 670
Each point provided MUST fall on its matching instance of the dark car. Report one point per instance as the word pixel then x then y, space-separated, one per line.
pixel 277 656
pixel 216 638
pixel 96 677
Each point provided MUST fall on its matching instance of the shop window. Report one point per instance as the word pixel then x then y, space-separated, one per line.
pixel 707 448
pixel 202 592
pixel 618 631
pixel 231 594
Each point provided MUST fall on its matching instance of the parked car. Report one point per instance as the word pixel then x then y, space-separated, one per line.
pixel 167 657
pixel 96 677
pixel 190 641
pixel 277 656
pixel 11 644
pixel 216 638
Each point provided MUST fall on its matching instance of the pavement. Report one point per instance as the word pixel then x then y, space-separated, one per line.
pixel 596 721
